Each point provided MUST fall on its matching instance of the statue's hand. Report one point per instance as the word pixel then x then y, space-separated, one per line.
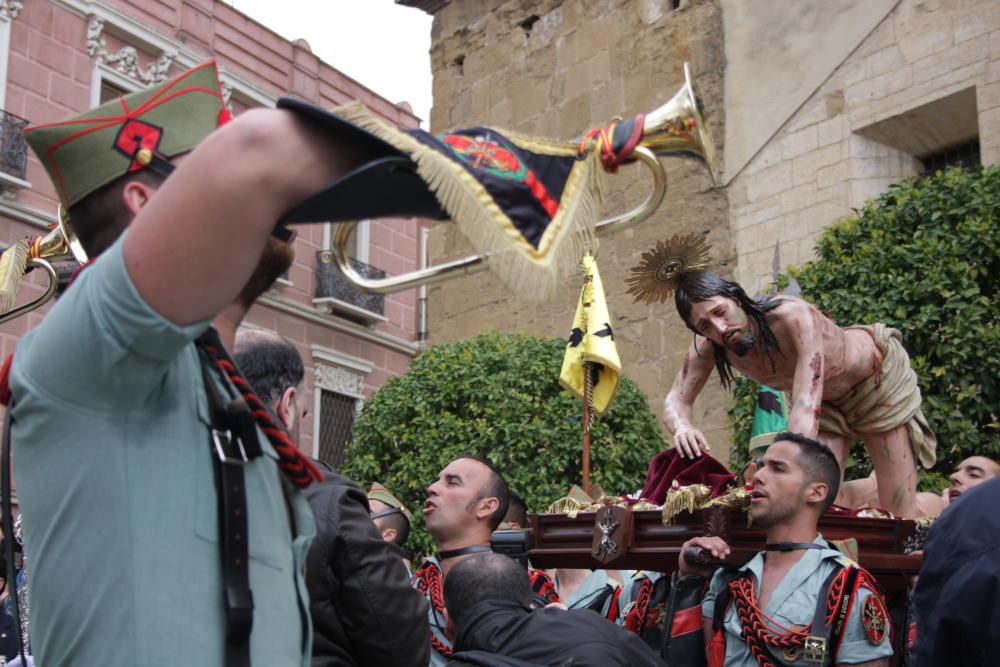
pixel 690 442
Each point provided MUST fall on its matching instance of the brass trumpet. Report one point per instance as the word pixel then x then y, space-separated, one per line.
pixel 38 252
pixel 677 127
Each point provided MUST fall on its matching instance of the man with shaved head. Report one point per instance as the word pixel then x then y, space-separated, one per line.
pixel 464 506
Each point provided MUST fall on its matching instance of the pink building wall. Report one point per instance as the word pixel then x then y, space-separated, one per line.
pixel 55 56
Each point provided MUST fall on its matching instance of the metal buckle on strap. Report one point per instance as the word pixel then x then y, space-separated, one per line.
pixel 814 650
pixel 223 441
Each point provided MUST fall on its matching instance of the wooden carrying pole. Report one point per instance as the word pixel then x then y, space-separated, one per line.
pixel 587 388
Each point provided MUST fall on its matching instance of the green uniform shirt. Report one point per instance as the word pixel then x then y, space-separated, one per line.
pixel 793 605
pixel 598 589
pixel 115 479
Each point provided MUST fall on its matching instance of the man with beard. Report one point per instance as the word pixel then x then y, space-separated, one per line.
pixel 843 382
pixel 464 506
pixel 126 407
pixel 796 602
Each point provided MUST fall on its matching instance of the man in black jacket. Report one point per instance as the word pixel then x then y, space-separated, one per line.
pixel 959 589
pixel 488 600
pixel 363 609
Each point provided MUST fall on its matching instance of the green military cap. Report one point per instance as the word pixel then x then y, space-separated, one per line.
pixel 382 494
pixel 142 129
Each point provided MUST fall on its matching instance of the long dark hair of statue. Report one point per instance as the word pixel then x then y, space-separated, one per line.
pixel 697 286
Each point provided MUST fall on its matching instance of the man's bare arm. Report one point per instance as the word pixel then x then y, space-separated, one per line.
pixel 677 407
pixel 801 323
pixel 193 246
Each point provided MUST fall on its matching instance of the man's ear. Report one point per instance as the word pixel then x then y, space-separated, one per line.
pixel 285 407
pixel 389 534
pixel 450 631
pixel 135 195
pixel 486 507
pixel 816 493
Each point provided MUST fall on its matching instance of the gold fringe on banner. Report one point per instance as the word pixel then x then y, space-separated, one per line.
pixel 534 273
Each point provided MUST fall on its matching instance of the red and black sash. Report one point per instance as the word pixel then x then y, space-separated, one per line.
pixel 765 637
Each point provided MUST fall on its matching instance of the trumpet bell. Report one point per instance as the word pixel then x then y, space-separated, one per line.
pixel 58 245
pixel 679 127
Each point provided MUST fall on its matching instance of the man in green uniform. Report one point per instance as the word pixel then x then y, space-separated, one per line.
pixel 117 428
pixel 798 602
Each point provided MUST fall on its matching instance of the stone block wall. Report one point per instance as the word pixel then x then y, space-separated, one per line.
pixel 838 149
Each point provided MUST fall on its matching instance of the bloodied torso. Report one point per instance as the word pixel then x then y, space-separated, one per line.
pixel 847 356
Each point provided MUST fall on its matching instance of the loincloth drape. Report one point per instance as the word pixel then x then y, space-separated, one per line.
pixel 887 399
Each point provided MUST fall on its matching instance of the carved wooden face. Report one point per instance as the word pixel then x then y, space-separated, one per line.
pixel 722 321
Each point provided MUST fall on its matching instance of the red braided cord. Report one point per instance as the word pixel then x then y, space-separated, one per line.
pixel 429 583
pixel 754 621
pixel 298 468
pixel 636 617
pixel 5 380
pixel 543 585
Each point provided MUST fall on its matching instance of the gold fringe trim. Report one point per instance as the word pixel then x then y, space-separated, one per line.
pixel 13 263
pixel 688 498
pixel 535 274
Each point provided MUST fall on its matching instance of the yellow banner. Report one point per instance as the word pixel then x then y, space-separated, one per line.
pixel 592 339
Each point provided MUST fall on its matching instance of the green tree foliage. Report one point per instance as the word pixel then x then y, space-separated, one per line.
pixel 498 396
pixel 924 258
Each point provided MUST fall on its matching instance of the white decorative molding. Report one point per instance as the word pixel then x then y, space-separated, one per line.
pixel 149 40
pixel 328 356
pixel 41 220
pixel 10 185
pixel 126 60
pixel 9 9
pixel 333 307
pixel 227 94
pixel 340 380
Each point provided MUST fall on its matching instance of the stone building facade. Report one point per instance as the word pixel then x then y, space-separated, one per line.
pixel 816 106
pixel 58 57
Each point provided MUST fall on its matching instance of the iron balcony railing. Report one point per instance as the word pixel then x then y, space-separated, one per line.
pixel 13 145
pixel 330 283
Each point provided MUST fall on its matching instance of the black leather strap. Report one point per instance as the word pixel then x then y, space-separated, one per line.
pixel 464 551
pixel 8 529
pixel 233 444
pixel 793 546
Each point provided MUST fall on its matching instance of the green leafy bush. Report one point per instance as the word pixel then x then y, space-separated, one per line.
pixel 924 258
pixel 498 396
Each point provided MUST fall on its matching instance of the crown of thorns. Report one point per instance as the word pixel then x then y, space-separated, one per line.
pixel 657 276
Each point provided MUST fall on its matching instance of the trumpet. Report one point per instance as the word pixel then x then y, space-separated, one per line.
pixel 36 252
pixel 676 127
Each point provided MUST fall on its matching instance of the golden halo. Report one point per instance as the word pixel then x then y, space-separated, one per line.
pixel 655 278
